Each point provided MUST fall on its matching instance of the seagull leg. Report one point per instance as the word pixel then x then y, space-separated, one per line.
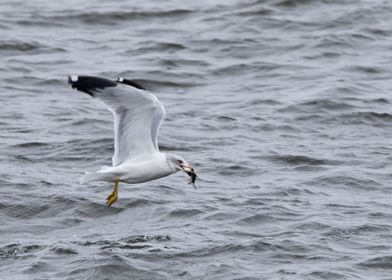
pixel 112 198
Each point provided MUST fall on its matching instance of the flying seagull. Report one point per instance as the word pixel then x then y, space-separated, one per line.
pixel 137 117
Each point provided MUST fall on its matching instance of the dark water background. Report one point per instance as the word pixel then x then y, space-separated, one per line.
pixel 283 106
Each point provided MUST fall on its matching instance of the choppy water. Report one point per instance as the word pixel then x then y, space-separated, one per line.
pixel 283 107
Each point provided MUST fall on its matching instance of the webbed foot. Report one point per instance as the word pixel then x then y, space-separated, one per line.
pixel 112 198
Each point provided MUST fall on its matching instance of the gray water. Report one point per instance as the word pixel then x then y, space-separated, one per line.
pixel 282 106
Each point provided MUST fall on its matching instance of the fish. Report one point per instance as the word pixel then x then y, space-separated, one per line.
pixel 191 173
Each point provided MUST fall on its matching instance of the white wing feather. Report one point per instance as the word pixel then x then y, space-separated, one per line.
pixel 137 117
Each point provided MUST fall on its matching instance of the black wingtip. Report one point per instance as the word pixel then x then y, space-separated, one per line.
pixel 89 84
pixel 130 83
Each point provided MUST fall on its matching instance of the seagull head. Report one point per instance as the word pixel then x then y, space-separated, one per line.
pixel 180 164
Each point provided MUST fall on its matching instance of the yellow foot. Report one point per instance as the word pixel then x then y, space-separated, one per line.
pixel 112 198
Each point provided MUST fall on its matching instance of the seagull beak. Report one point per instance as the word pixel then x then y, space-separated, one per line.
pixel 188 169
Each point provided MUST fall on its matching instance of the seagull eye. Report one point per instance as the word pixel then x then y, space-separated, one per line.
pixel 180 161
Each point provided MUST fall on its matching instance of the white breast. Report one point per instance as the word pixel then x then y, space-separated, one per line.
pixel 141 171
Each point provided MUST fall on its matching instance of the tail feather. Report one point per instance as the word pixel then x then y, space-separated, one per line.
pixel 95 176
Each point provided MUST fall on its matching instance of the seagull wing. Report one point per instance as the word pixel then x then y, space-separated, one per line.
pixel 137 115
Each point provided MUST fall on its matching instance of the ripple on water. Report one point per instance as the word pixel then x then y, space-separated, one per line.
pixel 325 274
pixel 346 181
pixel 15 45
pixel 17 250
pixel 62 251
pixel 112 17
pixel 126 243
pixel 382 262
pixel 364 118
pixel 185 213
pixel 283 106
pixel 301 160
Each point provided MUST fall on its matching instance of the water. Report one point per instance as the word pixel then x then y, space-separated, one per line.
pixel 283 107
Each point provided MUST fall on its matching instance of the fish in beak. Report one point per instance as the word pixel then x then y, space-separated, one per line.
pixel 188 169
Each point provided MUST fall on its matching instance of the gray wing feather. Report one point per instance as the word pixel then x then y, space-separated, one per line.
pixel 137 115
pixel 137 119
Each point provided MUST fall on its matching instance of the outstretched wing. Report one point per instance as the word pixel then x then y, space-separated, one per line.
pixel 137 115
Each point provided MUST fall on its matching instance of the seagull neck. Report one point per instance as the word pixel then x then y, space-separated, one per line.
pixel 171 165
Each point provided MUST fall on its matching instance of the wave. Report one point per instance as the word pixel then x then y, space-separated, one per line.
pixel 17 249
pixel 293 3
pixel 107 17
pixel 16 46
pixel 383 262
pixel 317 105
pixel 301 160
pixel 345 180
pixel 366 118
pixel 123 242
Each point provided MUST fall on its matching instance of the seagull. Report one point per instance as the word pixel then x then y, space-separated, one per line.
pixel 137 115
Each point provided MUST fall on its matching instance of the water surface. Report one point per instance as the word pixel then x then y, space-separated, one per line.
pixel 283 107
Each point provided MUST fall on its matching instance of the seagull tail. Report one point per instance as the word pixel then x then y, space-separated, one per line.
pixel 94 176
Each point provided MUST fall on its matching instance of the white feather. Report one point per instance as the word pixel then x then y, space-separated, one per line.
pixel 137 117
